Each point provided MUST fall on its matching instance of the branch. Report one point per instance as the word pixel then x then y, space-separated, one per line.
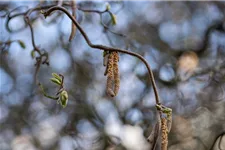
pixel 6 44
pixel 28 12
pixel 101 47
pixel 73 27
pixel 39 59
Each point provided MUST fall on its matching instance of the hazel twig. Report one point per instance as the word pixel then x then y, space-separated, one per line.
pixel 101 47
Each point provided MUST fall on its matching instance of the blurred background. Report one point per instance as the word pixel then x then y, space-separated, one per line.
pixel 182 41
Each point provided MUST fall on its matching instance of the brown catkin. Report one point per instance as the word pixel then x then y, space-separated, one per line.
pixel 164 130
pixel 110 76
pixel 105 63
pixel 116 72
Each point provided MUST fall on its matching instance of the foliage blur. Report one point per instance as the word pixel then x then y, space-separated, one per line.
pixel 189 72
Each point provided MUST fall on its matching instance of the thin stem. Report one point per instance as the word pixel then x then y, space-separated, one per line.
pixel 40 58
pixel 108 29
pixel 73 27
pixel 27 13
pixel 101 47
pixel 32 34
pixel 92 11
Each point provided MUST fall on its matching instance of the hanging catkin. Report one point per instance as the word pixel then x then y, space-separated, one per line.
pixel 111 60
pixel 110 76
pixel 116 72
pixel 164 130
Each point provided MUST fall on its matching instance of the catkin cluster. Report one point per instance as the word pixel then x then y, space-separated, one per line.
pixel 111 60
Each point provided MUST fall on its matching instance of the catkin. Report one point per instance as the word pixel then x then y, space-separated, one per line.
pixel 164 130
pixel 110 76
pixel 112 72
pixel 105 62
pixel 116 72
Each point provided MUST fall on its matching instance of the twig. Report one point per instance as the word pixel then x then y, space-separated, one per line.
pixel 41 55
pixel 101 47
pixel 105 48
pixel 22 14
pixel 73 27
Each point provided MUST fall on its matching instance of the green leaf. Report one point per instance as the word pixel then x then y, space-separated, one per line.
pixel 55 75
pixel 32 54
pixel 56 81
pixel 22 44
pixel 108 7
pixel 167 110
pixel 63 98
pixel 113 19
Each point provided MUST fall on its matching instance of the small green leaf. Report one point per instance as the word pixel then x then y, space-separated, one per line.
pixel 22 44
pixel 32 54
pixel 108 7
pixel 56 81
pixel 63 98
pixel 167 110
pixel 55 75
pixel 44 13
pixel 159 107
pixel 114 19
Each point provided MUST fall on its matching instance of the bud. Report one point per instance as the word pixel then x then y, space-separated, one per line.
pixel 55 75
pixel 114 19
pixel 22 44
pixel 63 98
pixel 56 81
pixel 32 53
pixel 108 7
pixel 167 110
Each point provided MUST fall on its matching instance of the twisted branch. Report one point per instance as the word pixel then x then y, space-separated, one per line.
pixel 102 47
